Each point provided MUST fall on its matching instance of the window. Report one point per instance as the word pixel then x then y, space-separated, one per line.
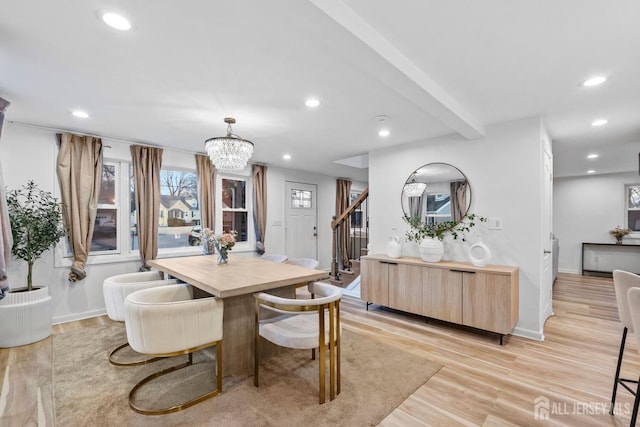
pixel 632 196
pixel 179 221
pixel 105 231
pixel 235 215
pixel 300 199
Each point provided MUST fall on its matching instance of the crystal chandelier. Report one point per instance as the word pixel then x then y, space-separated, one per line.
pixel 414 188
pixel 229 153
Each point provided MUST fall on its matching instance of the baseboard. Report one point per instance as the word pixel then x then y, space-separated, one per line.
pixel 570 271
pixel 528 333
pixel 79 316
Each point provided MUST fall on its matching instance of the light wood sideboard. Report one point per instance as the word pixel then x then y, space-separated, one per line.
pixel 457 292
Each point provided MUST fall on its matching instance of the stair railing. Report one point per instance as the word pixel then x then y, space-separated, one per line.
pixel 341 226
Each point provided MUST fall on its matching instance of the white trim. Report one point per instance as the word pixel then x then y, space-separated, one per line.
pixel 528 333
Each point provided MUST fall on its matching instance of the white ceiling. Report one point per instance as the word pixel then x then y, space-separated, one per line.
pixel 432 67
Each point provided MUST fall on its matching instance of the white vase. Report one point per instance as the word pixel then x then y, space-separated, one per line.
pixel 431 249
pixel 480 253
pixel 25 317
pixel 394 248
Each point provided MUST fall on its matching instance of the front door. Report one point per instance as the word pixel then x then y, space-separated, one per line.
pixel 301 223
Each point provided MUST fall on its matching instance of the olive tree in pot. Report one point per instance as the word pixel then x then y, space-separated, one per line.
pixel 36 226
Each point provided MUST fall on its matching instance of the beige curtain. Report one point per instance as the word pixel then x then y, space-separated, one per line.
pixel 458 198
pixel 260 205
pixel 79 170
pixel 6 240
pixel 147 162
pixel 207 184
pixel 343 192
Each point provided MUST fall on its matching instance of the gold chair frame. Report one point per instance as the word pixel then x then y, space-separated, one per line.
pixel 184 405
pixel 334 341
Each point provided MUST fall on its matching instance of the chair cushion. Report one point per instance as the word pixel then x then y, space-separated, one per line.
pixel 294 330
pixel 165 320
pixel 116 288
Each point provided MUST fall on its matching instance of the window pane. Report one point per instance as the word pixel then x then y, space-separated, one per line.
pixel 300 199
pixel 105 236
pixel 235 221
pixel 179 212
pixel 108 186
pixel 634 196
pixel 233 194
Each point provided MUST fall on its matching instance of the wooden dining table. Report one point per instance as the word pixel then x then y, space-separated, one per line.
pixel 236 282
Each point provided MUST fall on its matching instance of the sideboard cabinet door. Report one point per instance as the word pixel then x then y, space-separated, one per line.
pixel 487 301
pixel 405 287
pixel 442 294
pixel 374 284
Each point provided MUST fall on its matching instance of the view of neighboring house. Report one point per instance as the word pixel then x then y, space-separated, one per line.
pixel 184 209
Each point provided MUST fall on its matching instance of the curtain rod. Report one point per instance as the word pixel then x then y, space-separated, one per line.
pixel 113 138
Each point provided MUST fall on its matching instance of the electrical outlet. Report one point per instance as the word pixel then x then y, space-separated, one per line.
pixel 495 223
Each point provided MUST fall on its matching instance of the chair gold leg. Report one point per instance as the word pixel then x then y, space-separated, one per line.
pixel 322 354
pixel 338 347
pixel 134 363
pixel 332 354
pixel 183 405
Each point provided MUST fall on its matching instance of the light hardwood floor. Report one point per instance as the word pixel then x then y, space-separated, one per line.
pixel 480 384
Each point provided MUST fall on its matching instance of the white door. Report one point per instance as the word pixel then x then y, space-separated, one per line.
pixel 546 279
pixel 301 222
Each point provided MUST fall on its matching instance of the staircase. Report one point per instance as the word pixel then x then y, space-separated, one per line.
pixel 350 236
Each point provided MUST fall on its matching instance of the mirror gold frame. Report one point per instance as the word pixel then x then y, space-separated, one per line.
pixel 436 192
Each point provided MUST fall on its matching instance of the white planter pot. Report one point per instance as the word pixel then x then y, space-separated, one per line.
pixel 431 249
pixel 25 317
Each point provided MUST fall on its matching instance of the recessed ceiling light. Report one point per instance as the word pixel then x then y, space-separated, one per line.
pixel 384 132
pixel 312 102
pixel 593 156
pixel 286 156
pixel 81 114
pixel 590 171
pixel 116 21
pixel 599 122
pixel 594 81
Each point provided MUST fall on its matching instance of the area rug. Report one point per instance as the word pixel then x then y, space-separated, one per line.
pixel 376 378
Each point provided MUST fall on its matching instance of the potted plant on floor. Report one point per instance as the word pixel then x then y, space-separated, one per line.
pixel 36 226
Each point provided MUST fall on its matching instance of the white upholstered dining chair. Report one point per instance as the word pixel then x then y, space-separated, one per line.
pixel 304 262
pixel 633 296
pixel 303 324
pixel 166 321
pixel 623 281
pixel 274 257
pixel 115 290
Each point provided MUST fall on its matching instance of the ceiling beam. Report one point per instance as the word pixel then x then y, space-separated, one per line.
pixel 432 98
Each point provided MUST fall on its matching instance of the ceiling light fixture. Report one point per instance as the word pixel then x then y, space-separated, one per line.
pixel 116 21
pixel 590 171
pixel 414 188
pixel 593 156
pixel 599 122
pixel 594 81
pixel 383 132
pixel 81 114
pixel 312 102
pixel 286 156
pixel 229 153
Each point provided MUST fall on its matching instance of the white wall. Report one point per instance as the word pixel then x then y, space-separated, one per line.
pixel 584 210
pixel 30 154
pixel 505 172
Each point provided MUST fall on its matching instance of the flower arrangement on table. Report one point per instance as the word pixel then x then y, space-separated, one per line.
pixel 218 243
pixel 619 233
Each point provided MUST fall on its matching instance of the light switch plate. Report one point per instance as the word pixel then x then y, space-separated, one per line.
pixel 495 223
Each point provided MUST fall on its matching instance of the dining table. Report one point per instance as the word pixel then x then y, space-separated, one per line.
pixel 235 283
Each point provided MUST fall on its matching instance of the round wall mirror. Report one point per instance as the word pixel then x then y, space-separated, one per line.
pixel 435 193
